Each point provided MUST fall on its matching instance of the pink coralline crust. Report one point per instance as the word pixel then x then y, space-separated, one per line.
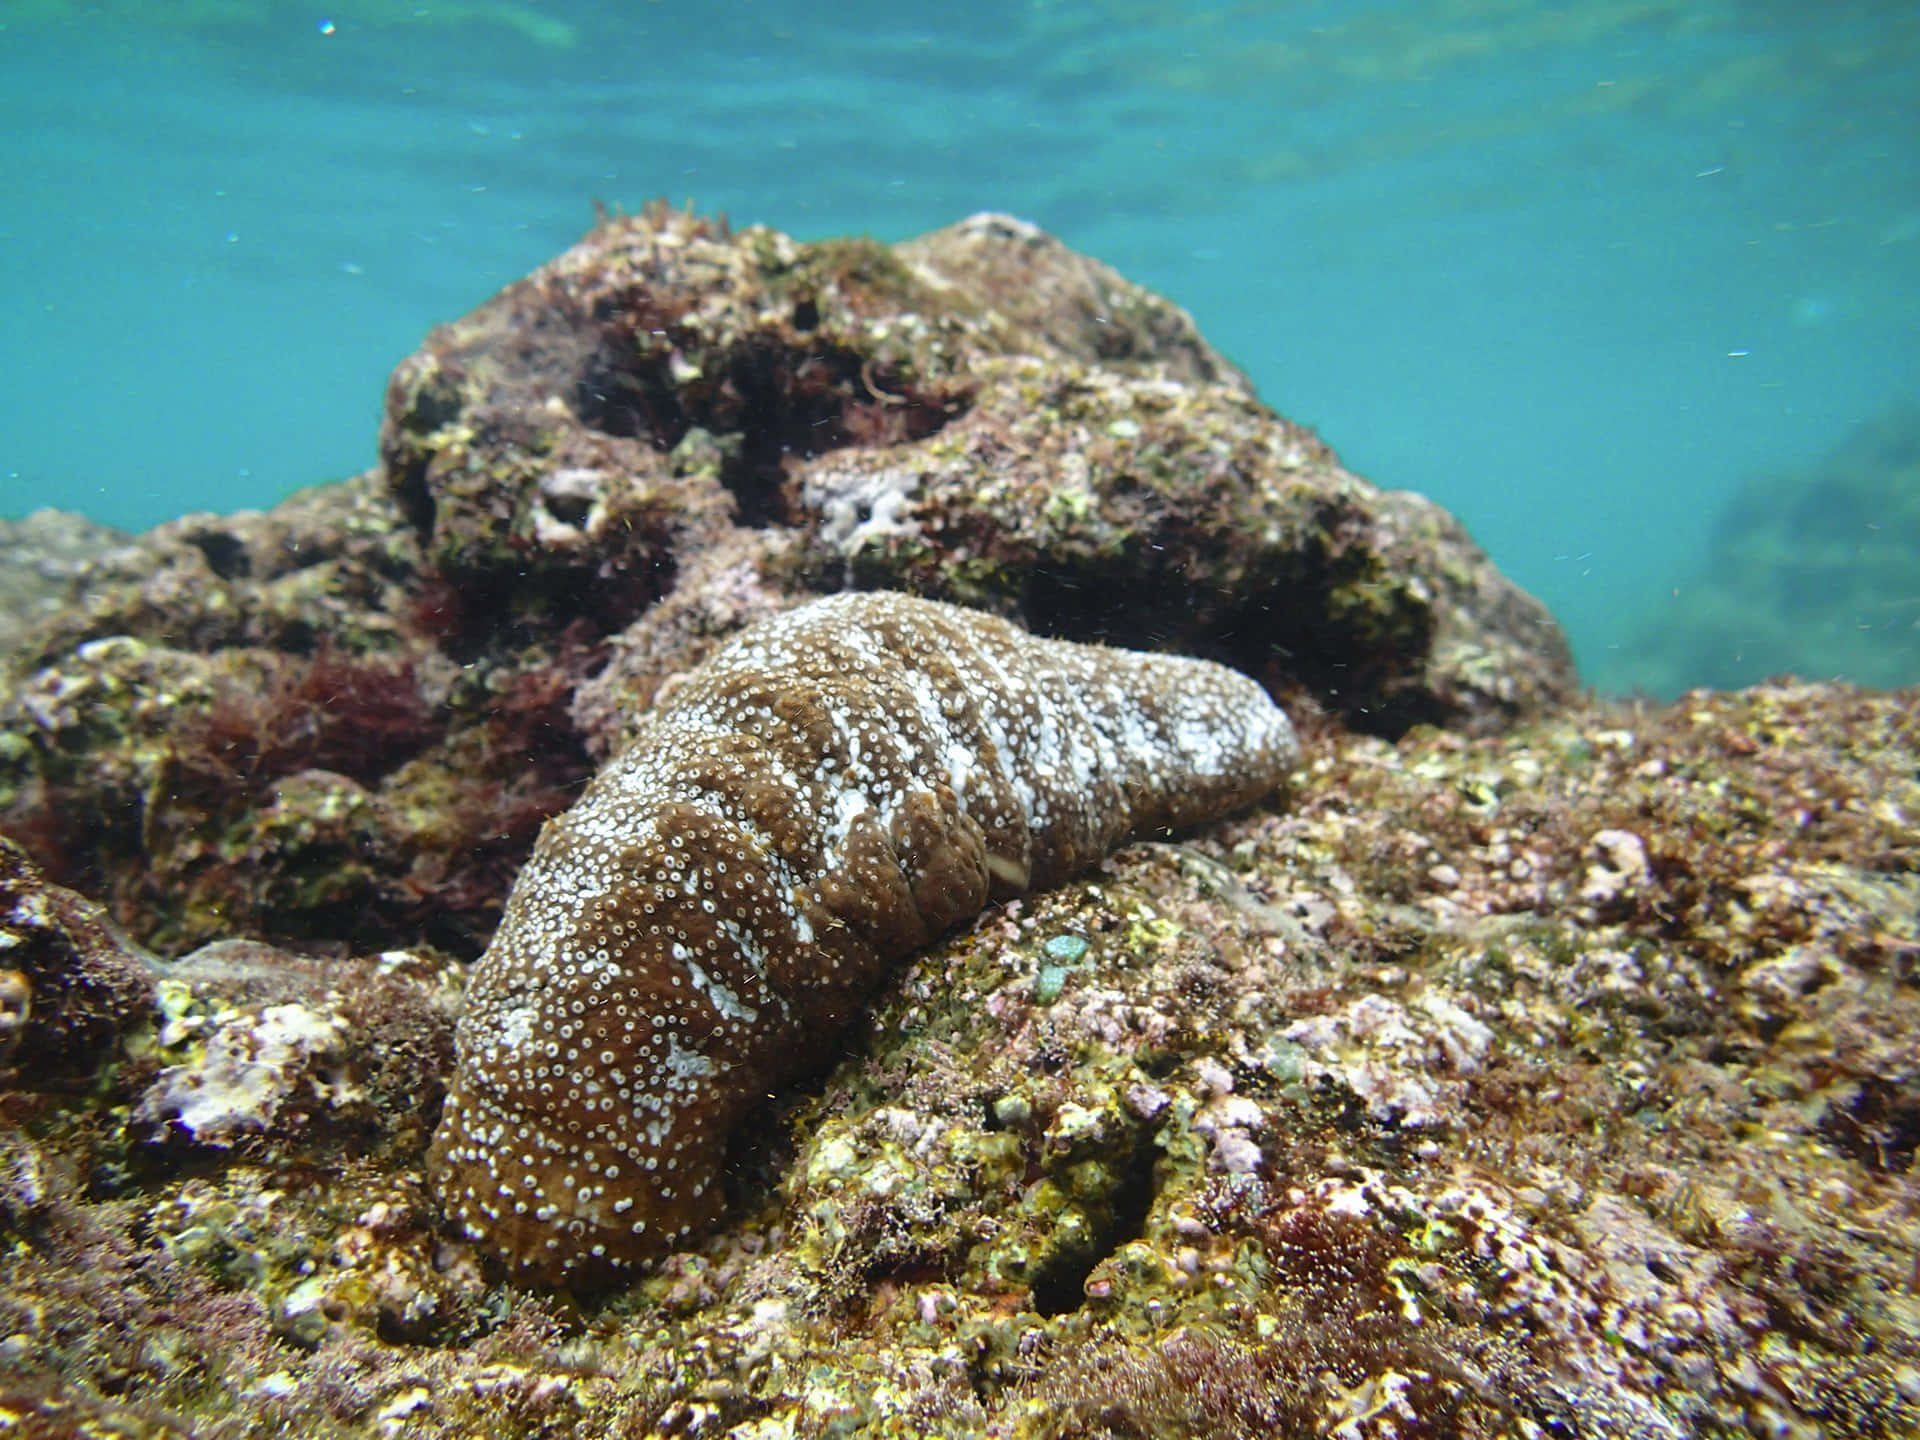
pixel 830 791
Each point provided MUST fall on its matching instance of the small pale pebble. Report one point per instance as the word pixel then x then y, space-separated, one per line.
pixel 1233 1154
pixel 1212 1077
pixel 1147 1102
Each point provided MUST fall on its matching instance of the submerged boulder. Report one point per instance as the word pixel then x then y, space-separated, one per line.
pixel 69 987
pixel 343 719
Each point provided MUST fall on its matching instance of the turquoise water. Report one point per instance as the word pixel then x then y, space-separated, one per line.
pixel 1578 272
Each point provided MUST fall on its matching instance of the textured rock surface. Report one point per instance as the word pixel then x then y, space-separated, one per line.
pixel 978 415
pixel 343 719
pixel 39 557
pixel 68 987
pixel 1559 1081
pixel 828 792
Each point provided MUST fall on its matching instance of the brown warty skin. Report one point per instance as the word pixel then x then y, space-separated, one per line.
pixel 830 791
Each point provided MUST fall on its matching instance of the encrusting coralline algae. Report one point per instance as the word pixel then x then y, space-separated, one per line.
pixel 829 792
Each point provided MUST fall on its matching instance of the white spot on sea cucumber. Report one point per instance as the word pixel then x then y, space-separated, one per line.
pixel 724 1000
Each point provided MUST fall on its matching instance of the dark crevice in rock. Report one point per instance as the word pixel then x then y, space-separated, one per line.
pixel 784 404
pixel 1284 635
pixel 1282 631
pixel 461 614
pixel 413 497
pixel 226 553
pixel 472 615
pixel 1879 1126
pixel 1059 1284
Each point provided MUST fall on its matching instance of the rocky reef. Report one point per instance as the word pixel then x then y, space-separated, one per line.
pixel 39 558
pixel 1532 1065
pixel 1807 571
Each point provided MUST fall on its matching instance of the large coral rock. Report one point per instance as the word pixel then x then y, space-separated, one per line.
pixel 978 415
pixel 343 719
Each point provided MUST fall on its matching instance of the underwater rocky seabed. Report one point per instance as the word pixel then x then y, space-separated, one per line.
pixel 1810 572
pixel 1534 1066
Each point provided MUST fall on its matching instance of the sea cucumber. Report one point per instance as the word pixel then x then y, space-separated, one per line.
pixel 831 790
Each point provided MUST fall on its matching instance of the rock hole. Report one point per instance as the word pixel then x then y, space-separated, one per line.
pixel 1060 1283
pixel 1879 1126
pixel 570 509
pixel 784 403
pixel 226 554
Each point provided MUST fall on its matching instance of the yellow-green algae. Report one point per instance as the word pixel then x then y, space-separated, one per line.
pixel 1142 1207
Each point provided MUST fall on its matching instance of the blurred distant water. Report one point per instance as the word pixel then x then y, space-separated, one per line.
pixel 1577 272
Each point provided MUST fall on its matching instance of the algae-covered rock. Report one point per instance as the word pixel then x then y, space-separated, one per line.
pixel 68 986
pixel 1427 1102
pixel 341 721
pixel 1531 1066
pixel 978 415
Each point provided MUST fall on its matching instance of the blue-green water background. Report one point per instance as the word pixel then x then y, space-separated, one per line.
pixel 1574 271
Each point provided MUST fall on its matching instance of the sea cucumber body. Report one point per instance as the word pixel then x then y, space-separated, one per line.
pixel 830 791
